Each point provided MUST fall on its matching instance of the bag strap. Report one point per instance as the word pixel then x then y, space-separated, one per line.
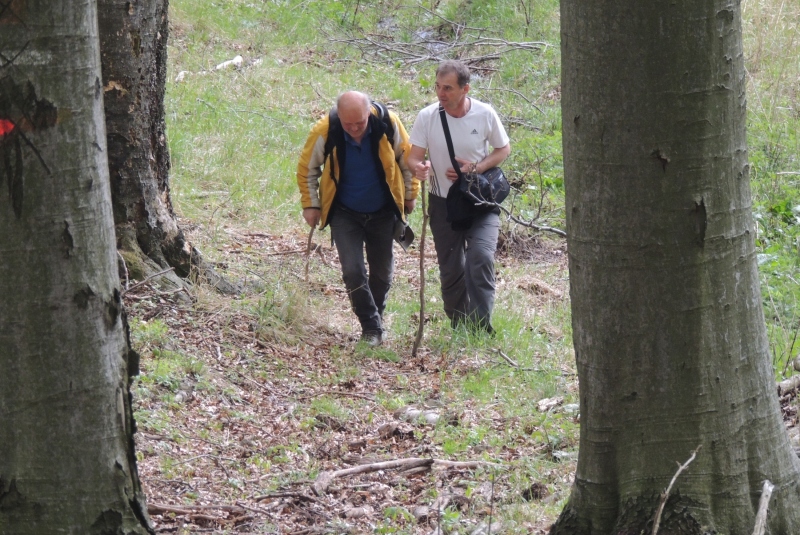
pixel 449 140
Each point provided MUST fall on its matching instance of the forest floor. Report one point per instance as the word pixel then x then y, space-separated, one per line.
pixel 244 429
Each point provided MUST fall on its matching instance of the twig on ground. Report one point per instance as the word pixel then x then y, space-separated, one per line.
pixel 665 494
pixel 513 363
pixel 147 280
pixel 281 253
pixel 255 383
pixel 421 326
pixel 336 393
pixel 508 359
pixel 298 495
pixel 763 505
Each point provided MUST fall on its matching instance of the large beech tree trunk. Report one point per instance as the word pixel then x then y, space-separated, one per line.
pixel 133 45
pixel 668 325
pixel 67 462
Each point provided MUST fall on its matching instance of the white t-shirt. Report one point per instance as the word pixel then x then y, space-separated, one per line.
pixel 472 135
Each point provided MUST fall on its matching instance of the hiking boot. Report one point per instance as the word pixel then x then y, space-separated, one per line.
pixel 372 338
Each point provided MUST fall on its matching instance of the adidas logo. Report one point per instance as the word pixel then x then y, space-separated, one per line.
pixel 474 131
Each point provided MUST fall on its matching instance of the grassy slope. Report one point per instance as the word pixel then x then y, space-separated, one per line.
pixel 242 398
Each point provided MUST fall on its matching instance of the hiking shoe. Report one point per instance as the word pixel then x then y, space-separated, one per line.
pixel 372 338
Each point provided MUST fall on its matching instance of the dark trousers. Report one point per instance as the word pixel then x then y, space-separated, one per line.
pixel 353 233
pixel 466 264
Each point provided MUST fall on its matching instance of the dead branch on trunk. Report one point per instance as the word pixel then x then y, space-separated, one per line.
pixel 665 494
pixel 531 224
pixel 421 326
pixel 763 505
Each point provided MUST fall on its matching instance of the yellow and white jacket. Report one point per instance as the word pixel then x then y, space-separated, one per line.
pixel 318 187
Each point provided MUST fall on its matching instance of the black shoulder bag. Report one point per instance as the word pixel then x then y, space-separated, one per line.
pixel 472 193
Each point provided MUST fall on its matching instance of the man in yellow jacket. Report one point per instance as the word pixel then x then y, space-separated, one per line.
pixel 359 183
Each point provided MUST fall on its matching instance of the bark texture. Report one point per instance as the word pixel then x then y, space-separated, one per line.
pixel 67 462
pixel 133 45
pixel 668 325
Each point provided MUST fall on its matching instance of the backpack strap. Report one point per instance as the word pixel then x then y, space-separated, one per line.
pixel 383 115
pixel 335 131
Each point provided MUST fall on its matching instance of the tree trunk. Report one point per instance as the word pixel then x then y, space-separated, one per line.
pixel 67 462
pixel 133 45
pixel 668 325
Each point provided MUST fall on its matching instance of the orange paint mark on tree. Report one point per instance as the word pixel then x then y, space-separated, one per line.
pixel 6 127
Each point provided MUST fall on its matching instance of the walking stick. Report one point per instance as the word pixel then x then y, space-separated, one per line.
pixel 308 251
pixel 421 325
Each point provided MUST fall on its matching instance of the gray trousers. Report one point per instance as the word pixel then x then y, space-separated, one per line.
pixel 466 264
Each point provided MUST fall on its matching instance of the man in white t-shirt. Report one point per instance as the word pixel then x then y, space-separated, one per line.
pixel 465 252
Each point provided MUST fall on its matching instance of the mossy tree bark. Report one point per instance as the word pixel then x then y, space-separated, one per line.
pixel 133 45
pixel 668 325
pixel 67 461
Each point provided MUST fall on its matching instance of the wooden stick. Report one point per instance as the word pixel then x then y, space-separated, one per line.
pixel 421 326
pixel 308 252
pixel 763 506
pixel 665 494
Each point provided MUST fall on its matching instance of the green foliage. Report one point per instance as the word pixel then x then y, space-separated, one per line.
pixel 772 45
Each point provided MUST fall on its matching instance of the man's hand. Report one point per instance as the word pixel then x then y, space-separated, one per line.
pixel 466 168
pixel 311 215
pixel 422 171
pixel 409 205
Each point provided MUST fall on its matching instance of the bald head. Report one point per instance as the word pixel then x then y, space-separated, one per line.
pixel 353 108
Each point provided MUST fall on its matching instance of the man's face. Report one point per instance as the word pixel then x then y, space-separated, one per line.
pixel 449 93
pixel 354 120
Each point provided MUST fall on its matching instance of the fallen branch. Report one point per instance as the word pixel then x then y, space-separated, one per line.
pixel 324 479
pixel 665 494
pixel 788 385
pixel 471 465
pixel 378 48
pixel 763 505
pixel 153 276
pixel 421 326
pixel 157 508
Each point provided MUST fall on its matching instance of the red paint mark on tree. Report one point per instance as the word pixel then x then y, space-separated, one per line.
pixel 6 127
